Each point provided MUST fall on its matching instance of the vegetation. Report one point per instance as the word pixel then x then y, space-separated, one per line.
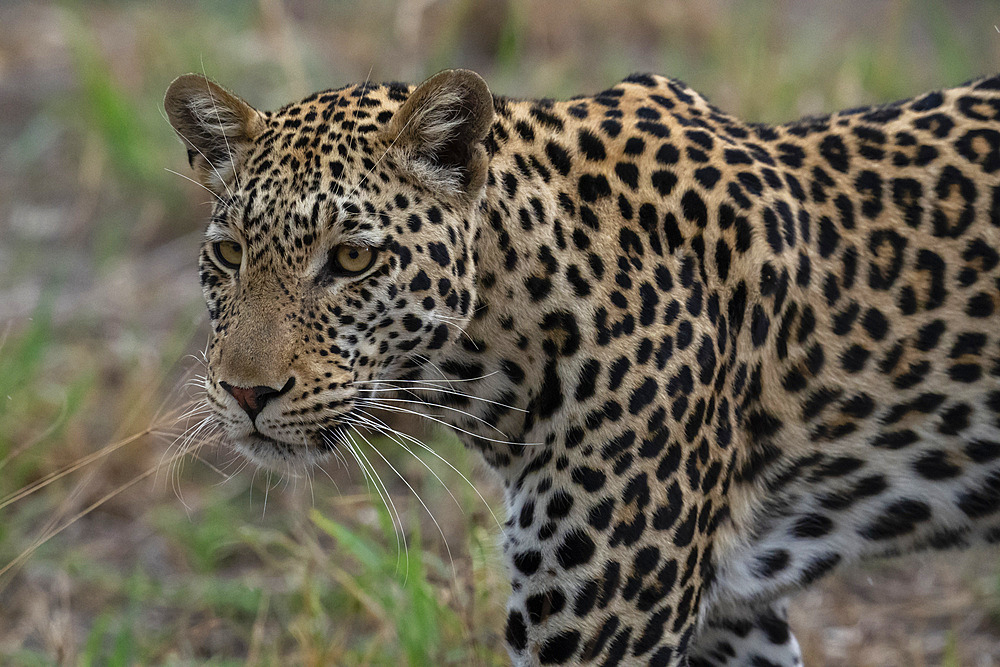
pixel 115 551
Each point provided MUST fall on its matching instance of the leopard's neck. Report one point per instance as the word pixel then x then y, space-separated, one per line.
pixel 555 254
pixel 506 358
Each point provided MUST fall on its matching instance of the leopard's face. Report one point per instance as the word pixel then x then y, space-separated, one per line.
pixel 338 254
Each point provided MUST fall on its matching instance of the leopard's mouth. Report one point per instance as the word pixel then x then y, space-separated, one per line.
pixel 268 452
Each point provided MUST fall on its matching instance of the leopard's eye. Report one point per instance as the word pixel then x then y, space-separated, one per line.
pixel 228 253
pixel 350 260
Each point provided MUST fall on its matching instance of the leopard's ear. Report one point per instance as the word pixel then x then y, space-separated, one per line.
pixel 438 132
pixel 216 127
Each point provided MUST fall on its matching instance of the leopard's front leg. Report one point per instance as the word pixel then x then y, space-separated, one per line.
pixel 605 570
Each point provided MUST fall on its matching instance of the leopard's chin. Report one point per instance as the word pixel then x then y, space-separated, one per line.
pixel 286 457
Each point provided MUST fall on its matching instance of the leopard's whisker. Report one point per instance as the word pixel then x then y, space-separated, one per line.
pixel 461 331
pixel 384 399
pixel 439 390
pixel 357 109
pixel 241 462
pixel 182 443
pixel 267 491
pixel 392 434
pixel 396 408
pixel 312 488
pixel 419 499
pixel 373 422
pixel 338 456
pixel 429 380
pixel 415 494
pixel 192 432
pixel 225 137
pixel 372 475
pixel 200 185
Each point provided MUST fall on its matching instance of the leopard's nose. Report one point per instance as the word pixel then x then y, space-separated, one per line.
pixel 253 399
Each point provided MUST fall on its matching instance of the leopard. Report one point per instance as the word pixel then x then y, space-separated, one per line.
pixel 708 361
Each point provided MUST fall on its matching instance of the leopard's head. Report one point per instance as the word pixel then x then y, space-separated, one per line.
pixel 338 251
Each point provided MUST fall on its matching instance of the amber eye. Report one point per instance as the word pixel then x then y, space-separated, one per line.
pixel 350 260
pixel 228 253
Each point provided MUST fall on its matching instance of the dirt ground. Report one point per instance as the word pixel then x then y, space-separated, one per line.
pixel 926 609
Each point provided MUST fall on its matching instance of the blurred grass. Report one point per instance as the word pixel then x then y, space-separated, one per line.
pixel 100 308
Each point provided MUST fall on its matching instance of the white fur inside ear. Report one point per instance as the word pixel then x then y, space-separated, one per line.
pixel 219 127
pixel 438 120
pixel 432 126
pixel 217 122
pixel 446 179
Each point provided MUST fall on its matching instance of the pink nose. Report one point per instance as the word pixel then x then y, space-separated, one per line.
pixel 253 399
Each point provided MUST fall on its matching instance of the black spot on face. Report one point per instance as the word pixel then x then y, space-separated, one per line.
pixel 591 146
pixel 517 631
pixel 559 157
pixel 558 649
pixel 576 549
pixel 898 518
pixel 528 562
pixel 439 253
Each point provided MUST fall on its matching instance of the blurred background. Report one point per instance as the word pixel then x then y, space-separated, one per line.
pixel 111 555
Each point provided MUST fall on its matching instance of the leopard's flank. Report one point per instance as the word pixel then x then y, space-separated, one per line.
pixel 711 361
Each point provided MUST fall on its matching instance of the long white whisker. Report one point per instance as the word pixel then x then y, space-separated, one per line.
pixel 446 320
pixel 383 426
pixel 390 388
pixel 200 185
pixel 337 455
pixel 267 490
pixel 393 435
pixel 422 503
pixel 357 110
pixel 225 137
pixel 382 157
pixel 395 408
pixel 390 506
pixel 427 362
pixel 428 380
pixel 378 402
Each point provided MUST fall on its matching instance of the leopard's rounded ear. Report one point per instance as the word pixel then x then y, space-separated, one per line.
pixel 216 127
pixel 438 132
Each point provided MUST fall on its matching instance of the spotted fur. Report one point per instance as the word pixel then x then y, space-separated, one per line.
pixel 726 358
